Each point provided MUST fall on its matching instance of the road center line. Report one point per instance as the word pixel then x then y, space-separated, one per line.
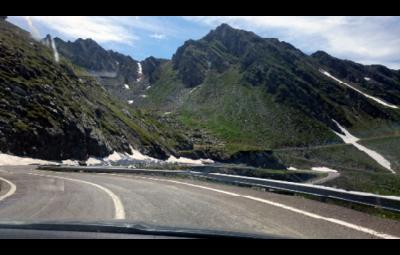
pixel 119 207
pixel 289 208
pixel 12 190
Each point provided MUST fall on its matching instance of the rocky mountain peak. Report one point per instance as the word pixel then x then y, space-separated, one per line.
pixel 234 40
pixel 320 54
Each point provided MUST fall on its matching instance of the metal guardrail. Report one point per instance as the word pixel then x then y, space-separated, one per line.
pixel 376 201
pixel 123 170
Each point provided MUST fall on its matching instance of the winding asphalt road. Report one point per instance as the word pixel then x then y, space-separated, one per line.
pixel 29 194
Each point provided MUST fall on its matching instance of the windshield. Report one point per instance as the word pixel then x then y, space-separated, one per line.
pixel 281 127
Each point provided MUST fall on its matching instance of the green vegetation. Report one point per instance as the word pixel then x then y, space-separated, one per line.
pixel 385 214
pixel 245 117
pixel 377 183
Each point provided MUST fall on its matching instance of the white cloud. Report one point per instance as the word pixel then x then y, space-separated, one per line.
pixel 101 29
pixel 364 39
pixel 158 36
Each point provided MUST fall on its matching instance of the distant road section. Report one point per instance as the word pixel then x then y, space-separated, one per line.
pixel 172 202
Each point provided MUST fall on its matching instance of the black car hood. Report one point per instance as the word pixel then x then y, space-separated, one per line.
pixel 124 227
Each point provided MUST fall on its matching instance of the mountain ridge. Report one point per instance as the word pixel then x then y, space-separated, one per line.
pixel 233 92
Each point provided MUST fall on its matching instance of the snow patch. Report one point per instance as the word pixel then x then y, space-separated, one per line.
pixel 93 161
pixel 116 157
pixel 143 96
pixel 126 86
pixel 70 162
pixel 167 113
pixel 350 139
pixel 137 155
pixel 130 101
pixel 291 168
pixel 183 160
pixel 324 170
pixel 11 160
pixel 207 161
pixel 148 87
pixel 359 91
pixel 367 78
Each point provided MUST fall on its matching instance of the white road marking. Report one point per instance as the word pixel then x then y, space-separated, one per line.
pixel 332 220
pixel 289 208
pixel 12 190
pixel 397 198
pixel 119 207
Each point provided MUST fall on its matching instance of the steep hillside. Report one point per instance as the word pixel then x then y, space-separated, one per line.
pixel 53 110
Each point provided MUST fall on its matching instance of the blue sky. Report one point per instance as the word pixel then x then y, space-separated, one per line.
pixel 368 40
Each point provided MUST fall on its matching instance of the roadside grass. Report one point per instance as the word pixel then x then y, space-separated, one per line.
pixel 375 211
pixel 386 184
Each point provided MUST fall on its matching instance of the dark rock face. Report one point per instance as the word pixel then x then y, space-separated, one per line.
pixel 119 74
pixel 100 62
pixel 151 67
pixel 191 64
pixel 263 159
pixel 235 41
pixel 3 17
pixel 87 53
pixel 215 52
pixel 68 142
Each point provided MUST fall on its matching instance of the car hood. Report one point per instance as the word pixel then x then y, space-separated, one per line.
pixel 125 227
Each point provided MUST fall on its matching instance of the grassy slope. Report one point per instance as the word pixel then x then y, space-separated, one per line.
pixel 243 116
